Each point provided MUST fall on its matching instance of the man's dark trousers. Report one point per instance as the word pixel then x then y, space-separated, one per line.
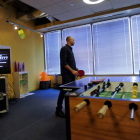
pixel 65 79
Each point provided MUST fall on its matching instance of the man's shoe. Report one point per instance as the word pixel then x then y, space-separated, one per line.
pixel 60 114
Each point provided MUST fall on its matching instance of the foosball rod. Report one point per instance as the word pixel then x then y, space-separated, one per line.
pixel 78 107
pixel 117 90
pixel 95 92
pixel 103 88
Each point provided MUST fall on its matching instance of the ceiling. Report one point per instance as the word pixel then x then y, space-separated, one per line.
pixel 120 14
pixel 70 9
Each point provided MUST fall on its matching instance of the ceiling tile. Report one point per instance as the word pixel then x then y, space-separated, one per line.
pixel 38 3
pixel 82 12
pixel 76 4
pixel 58 0
pixel 138 1
pixel 65 16
pixel 53 9
pixel 123 3
pixel 104 6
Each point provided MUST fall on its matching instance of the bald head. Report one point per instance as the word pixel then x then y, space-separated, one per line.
pixel 70 40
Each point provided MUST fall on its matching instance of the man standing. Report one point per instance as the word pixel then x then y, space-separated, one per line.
pixel 68 71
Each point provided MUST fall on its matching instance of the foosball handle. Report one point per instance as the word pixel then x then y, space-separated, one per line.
pixel 133 107
pixel 81 105
pixel 102 112
pixel 132 114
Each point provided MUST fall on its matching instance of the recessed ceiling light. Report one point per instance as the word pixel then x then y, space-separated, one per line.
pixel 72 4
pixel 93 1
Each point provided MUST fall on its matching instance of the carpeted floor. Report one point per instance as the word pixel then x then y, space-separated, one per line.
pixel 33 118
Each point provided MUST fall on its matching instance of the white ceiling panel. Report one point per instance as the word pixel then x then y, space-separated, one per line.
pixel 76 4
pixel 53 9
pixel 58 0
pixel 38 3
pixel 82 12
pixel 104 6
pixel 89 20
pixel 63 10
pixel 65 16
pixel 138 1
pixel 122 3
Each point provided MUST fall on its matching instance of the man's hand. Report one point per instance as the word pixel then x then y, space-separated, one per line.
pixel 75 73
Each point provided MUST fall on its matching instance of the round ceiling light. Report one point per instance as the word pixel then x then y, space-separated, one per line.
pixel 93 1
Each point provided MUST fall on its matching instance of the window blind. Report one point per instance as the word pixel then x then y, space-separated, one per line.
pixel 82 48
pixel 112 47
pixel 52 51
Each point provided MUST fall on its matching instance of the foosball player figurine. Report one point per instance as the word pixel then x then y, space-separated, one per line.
pixel 104 87
pixel 117 90
pixel 134 94
pixel 95 91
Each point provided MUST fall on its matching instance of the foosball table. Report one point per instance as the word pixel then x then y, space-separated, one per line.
pixel 103 110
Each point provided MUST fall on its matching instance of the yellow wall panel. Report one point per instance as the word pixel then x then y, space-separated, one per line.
pixel 29 50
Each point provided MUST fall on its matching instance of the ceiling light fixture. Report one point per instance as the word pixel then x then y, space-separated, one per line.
pixel 93 1
pixel 41 35
pixel 18 25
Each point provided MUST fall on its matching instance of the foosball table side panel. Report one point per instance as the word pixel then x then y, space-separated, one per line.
pixel 116 125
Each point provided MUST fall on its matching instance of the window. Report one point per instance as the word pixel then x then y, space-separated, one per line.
pixel 112 47
pixel 82 48
pixel 135 24
pixel 52 49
